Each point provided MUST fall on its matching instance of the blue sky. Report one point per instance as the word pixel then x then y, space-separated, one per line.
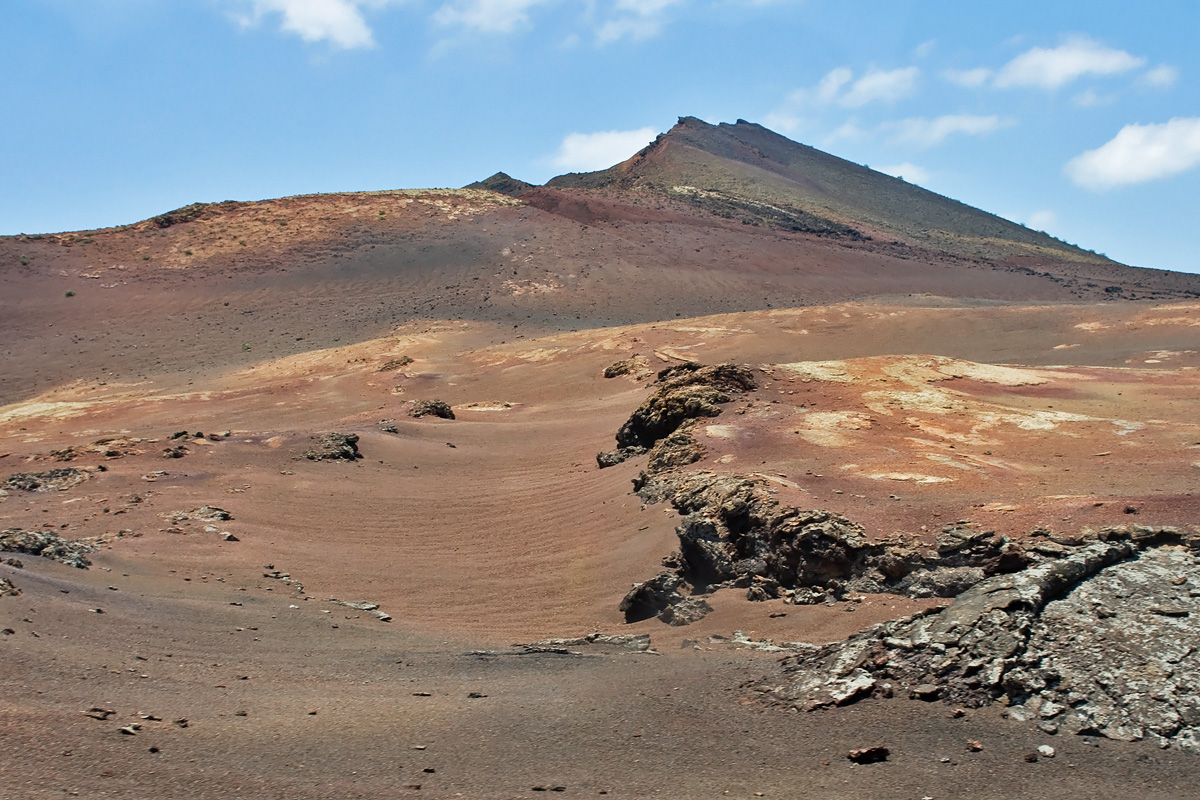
pixel 1082 119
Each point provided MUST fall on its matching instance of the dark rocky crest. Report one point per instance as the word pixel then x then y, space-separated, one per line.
pixel 682 393
pixel 502 183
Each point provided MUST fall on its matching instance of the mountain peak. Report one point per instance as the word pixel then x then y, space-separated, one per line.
pixel 502 183
pixel 746 165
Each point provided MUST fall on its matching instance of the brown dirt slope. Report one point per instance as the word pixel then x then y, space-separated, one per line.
pixel 747 171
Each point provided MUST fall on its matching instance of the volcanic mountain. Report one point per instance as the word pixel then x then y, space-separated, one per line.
pixel 747 172
pixel 706 219
pixel 515 489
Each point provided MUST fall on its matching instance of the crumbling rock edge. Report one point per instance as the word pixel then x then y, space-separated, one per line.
pixel 47 545
pixel 662 425
pixel 735 534
pixel 1097 642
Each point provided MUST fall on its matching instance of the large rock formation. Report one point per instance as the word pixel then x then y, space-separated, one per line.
pixel 734 533
pixel 1099 641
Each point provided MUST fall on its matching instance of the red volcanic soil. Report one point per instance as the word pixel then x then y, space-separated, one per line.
pixel 497 527
pixel 254 329
pixel 233 284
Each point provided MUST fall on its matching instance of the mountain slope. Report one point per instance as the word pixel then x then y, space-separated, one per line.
pixel 745 167
pixel 225 285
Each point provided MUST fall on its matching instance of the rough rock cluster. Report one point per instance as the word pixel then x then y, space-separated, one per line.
pixel 636 366
pixel 55 480
pixel 734 533
pixel 1099 641
pixel 46 544
pixel 432 408
pixel 662 424
pixel 334 447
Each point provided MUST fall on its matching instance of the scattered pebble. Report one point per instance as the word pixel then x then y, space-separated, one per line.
pixel 869 755
pixel 96 712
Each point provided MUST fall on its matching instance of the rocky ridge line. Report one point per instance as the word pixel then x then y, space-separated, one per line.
pixel 662 425
pixel 735 534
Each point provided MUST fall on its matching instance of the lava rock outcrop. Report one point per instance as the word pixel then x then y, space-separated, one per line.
pixel 47 545
pixel 432 408
pixel 55 480
pixel 334 447
pixel 682 393
pixel 1099 641
pixel 735 534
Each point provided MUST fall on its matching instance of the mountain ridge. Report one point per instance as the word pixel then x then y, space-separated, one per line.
pixel 748 161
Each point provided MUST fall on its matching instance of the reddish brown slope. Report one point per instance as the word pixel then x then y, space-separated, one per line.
pixel 233 284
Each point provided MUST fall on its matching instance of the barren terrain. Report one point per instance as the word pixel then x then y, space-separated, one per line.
pixel 259 621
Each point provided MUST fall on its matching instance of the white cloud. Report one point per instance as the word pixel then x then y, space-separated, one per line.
pixel 847 130
pixel 628 28
pixel 635 19
pixel 929 132
pixel 645 8
pixel 783 122
pixel 585 152
pixel 487 16
pixel 1052 68
pixel 1160 77
pixel 908 171
pixel 925 48
pixel 828 88
pixel 1042 220
pixel 1139 153
pixel 879 85
pixel 970 78
pixel 338 21
pixel 839 87
pixel 1089 98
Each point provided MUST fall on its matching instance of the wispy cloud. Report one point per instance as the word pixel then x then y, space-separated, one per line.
pixel 880 86
pixel 339 22
pixel 840 87
pixel 970 78
pixel 1160 77
pixel 924 132
pixel 1090 98
pixel 907 171
pixel 634 19
pixel 848 130
pixel 585 152
pixel 486 16
pixel 785 122
pixel 1139 153
pixel 1042 220
pixel 1052 68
